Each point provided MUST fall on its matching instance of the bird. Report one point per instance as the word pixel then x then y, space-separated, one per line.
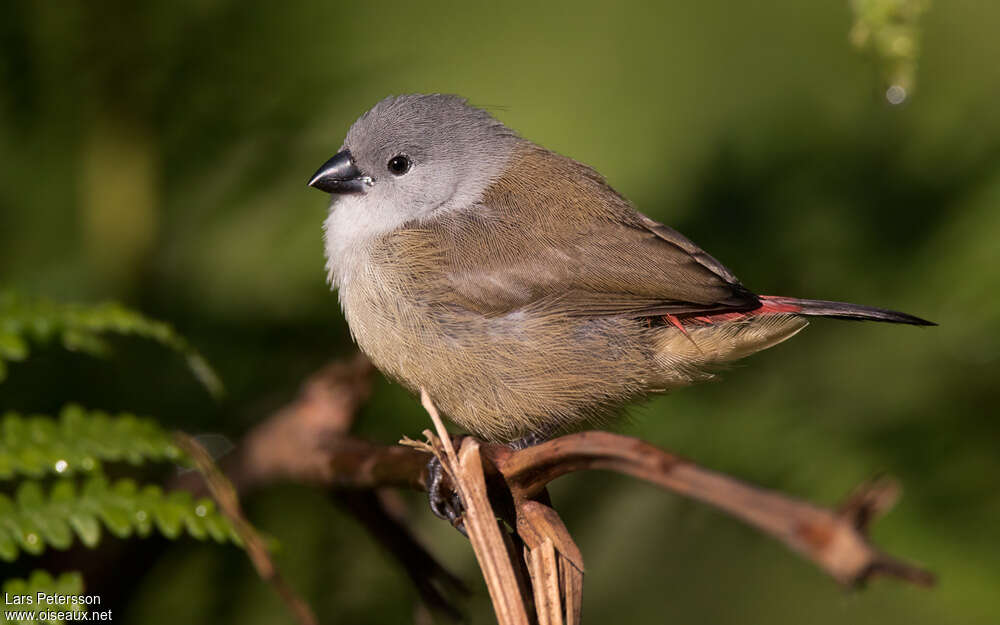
pixel 516 287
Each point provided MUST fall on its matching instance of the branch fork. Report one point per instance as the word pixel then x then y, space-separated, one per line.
pixel 533 569
pixel 548 555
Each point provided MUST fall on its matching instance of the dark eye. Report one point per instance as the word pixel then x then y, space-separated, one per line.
pixel 399 165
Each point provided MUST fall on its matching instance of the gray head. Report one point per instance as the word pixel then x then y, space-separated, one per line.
pixel 418 154
pixel 410 157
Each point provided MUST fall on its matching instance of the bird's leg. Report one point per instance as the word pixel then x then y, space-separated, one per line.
pixel 445 502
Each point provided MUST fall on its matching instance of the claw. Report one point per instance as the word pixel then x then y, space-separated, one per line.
pixel 445 502
pixel 529 440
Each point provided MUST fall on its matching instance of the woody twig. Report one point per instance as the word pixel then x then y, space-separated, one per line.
pixel 303 446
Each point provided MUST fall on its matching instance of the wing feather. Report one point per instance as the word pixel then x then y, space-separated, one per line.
pixel 551 236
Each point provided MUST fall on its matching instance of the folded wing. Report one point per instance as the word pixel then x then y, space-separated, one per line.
pixel 552 237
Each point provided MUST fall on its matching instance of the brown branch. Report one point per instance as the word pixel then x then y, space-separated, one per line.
pixel 309 441
pixel 836 541
pixel 292 445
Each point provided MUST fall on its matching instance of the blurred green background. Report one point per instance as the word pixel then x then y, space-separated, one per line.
pixel 157 153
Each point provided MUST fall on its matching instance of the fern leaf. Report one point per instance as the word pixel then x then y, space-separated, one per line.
pixel 32 521
pixel 78 441
pixel 80 327
pixel 42 582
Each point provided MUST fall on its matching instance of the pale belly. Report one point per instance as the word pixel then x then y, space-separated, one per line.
pixel 504 377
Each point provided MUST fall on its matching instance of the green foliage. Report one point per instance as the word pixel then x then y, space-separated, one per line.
pixel 80 327
pixel 42 581
pixel 44 514
pixel 78 442
pixel 891 30
pixel 34 520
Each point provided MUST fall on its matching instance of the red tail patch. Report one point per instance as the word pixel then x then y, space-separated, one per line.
pixel 772 304
pixel 769 305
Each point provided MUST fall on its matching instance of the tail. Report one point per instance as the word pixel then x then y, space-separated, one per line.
pixel 838 310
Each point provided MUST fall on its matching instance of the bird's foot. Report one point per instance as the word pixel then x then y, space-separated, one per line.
pixel 445 502
pixel 530 440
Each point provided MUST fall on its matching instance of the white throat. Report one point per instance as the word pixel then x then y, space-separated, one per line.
pixel 354 222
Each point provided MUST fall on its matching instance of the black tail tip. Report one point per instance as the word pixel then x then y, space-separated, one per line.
pixel 913 320
pixel 856 312
pixel 867 313
pixel 888 316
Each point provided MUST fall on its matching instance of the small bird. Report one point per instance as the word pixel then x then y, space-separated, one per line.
pixel 515 286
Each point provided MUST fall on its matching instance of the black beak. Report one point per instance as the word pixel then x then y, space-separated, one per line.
pixel 340 175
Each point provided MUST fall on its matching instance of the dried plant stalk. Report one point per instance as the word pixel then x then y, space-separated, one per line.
pixel 545 582
pixel 228 500
pixel 571 579
pixel 557 578
pixel 480 521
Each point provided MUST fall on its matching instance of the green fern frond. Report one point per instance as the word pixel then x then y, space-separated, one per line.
pixel 78 441
pixel 32 521
pixel 79 327
pixel 42 582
